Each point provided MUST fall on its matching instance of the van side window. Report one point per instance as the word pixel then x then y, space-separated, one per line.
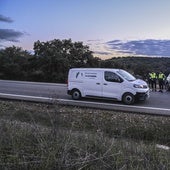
pixel 112 77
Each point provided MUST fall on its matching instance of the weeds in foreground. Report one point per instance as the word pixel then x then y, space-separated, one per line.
pixel 37 136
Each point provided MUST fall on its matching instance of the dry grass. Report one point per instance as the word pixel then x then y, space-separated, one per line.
pixel 39 136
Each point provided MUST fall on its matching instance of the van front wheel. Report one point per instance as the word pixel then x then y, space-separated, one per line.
pixel 76 94
pixel 128 98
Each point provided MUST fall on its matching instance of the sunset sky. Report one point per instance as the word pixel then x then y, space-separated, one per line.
pixel 22 22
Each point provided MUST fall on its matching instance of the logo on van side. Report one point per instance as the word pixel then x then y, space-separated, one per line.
pixel 91 75
pixel 77 74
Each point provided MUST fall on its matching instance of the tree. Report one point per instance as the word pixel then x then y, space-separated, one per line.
pixel 57 56
pixel 14 63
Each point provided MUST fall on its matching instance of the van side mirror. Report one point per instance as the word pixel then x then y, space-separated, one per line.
pixel 119 80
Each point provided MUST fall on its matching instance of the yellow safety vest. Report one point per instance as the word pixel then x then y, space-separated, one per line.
pixel 161 76
pixel 153 75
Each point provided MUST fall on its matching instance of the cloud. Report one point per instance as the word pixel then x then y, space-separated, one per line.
pixel 102 52
pixel 5 19
pixel 10 35
pixel 147 47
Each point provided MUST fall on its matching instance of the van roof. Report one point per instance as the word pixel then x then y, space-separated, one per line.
pixel 95 69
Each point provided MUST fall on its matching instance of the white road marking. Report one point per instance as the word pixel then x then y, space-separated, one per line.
pixel 24 96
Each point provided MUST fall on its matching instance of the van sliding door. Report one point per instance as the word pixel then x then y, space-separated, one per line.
pixel 93 83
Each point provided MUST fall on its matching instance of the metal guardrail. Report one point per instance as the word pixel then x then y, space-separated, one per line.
pixel 96 105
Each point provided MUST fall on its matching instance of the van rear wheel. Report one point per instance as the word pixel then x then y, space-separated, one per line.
pixel 128 98
pixel 76 94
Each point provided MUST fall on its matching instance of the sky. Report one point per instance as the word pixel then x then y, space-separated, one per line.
pixel 93 22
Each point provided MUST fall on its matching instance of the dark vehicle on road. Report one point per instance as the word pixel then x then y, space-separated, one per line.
pixel 167 83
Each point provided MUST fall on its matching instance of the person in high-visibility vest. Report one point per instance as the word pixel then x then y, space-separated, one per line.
pixel 149 80
pixel 161 78
pixel 153 80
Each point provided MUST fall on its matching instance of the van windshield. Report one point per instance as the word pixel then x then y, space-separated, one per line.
pixel 126 75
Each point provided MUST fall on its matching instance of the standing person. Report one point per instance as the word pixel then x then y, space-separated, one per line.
pixel 153 81
pixel 150 80
pixel 161 78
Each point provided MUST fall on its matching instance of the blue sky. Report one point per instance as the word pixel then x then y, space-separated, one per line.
pixel 84 20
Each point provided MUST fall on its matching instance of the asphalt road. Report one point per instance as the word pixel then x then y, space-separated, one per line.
pixel 158 101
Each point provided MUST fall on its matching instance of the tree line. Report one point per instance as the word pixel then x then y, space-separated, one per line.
pixel 52 60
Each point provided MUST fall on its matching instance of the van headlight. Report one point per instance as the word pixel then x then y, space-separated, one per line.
pixel 138 86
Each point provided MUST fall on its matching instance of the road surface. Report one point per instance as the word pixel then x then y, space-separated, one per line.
pixel 158 102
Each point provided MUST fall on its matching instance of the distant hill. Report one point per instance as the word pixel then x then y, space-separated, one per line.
pixel 139 65
pixel 148 47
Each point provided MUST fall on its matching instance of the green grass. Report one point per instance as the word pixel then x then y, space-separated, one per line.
pixel 42 137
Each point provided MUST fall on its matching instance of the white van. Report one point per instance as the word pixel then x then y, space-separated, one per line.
pixel 106 83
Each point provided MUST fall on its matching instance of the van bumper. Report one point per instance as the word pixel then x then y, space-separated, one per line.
pixel 142 96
